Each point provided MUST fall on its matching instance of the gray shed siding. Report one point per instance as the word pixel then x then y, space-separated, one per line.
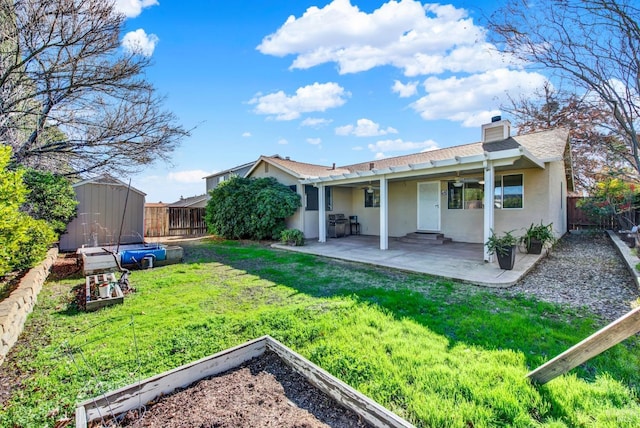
pixel 100 213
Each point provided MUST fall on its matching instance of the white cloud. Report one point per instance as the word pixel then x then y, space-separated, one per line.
pixel 472 100
pixel 133 8
pixel 307 99
pixel 191 176
pixel 140 42
pixel 246 134
pixel 418 39
pixel 282 141
pixel 315 122
pixel 365 128
pixel 166 188
pixel 405 90
pixel 398 145
pixel 314 141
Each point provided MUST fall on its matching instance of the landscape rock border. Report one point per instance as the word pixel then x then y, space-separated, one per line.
pixel 630 259
pixel 19 304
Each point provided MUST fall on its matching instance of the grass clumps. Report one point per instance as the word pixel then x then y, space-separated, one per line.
pixel 436 352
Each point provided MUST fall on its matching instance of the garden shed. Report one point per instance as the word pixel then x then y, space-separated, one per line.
pixel 102 216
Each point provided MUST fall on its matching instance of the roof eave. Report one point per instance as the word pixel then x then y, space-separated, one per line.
pixel 504 157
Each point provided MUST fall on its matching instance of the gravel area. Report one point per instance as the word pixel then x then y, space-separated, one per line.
pixel 584 269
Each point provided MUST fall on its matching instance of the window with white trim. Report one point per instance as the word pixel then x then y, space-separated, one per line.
pixel 468 196
pixel 509 191
pixel 371 198
pixel 312 200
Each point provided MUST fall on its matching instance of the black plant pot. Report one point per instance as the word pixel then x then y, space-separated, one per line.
pixel 508 259
pixel 534 246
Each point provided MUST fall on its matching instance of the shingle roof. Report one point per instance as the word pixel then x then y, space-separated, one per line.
pixel 306 170
pixel 544 145
pixel 187 202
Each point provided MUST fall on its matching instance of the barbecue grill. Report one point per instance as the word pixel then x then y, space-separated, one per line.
pixel 337 226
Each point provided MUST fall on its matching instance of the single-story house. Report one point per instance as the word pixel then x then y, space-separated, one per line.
pixel 213 180
pixel 500 183
pixel 108 210
pixel 199 201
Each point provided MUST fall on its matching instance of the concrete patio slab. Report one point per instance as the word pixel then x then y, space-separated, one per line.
pixel 455 260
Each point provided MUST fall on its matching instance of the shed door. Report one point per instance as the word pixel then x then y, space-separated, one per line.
pixel 429 206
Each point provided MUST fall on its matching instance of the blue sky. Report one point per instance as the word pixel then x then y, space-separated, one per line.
pixel 318 81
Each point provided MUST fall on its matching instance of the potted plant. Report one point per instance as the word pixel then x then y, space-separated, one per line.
pixel 504 247
pixel 537 236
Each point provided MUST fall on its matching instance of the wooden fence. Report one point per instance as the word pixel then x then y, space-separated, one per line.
pixel 156 221
pixel 186 221
pixel 578 219
pixel 172 221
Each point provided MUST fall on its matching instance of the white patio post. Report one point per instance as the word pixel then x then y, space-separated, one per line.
pixel 489 183
pixel 322 224
pixel 384 214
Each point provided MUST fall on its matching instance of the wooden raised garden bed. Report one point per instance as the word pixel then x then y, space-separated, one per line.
pixel 140 398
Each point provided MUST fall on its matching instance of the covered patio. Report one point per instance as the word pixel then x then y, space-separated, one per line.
pixel 455 260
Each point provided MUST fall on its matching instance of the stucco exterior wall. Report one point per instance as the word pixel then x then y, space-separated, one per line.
pixel 461 225
pixel 369 218
pixel 557 198
pixel 544 201
pixel 403 207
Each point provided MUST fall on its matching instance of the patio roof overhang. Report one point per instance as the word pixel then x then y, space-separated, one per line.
pixel 500 159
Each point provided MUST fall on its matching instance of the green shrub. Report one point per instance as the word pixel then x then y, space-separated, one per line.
pixel 250 208
pixel 292 237
pixel 38 237
pixel 50 197
pixel 24 241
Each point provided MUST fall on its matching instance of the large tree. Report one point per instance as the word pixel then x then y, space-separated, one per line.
pixel 596 154
pixel 595 44
pixel 70 97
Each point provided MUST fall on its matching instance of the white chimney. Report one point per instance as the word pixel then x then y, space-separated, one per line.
pixel 497 130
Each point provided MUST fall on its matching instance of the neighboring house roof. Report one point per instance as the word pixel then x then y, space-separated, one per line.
pixel 299 169
pixel 108 180
pixel 155 205
pixel 231 170
pixel 190 201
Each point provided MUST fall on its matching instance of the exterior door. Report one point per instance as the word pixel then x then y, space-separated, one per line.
pixel 429 206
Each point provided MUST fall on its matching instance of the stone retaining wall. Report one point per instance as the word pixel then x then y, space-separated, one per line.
pixel 15 308
pixel 630 259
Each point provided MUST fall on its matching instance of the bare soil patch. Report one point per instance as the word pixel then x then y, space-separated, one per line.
pixel 264 392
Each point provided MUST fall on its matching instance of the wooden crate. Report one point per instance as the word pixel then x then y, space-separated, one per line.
pixel 130 397
pixel 94 302
pixel 97 261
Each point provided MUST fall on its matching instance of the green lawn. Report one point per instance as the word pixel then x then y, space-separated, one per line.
pixel 436 352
